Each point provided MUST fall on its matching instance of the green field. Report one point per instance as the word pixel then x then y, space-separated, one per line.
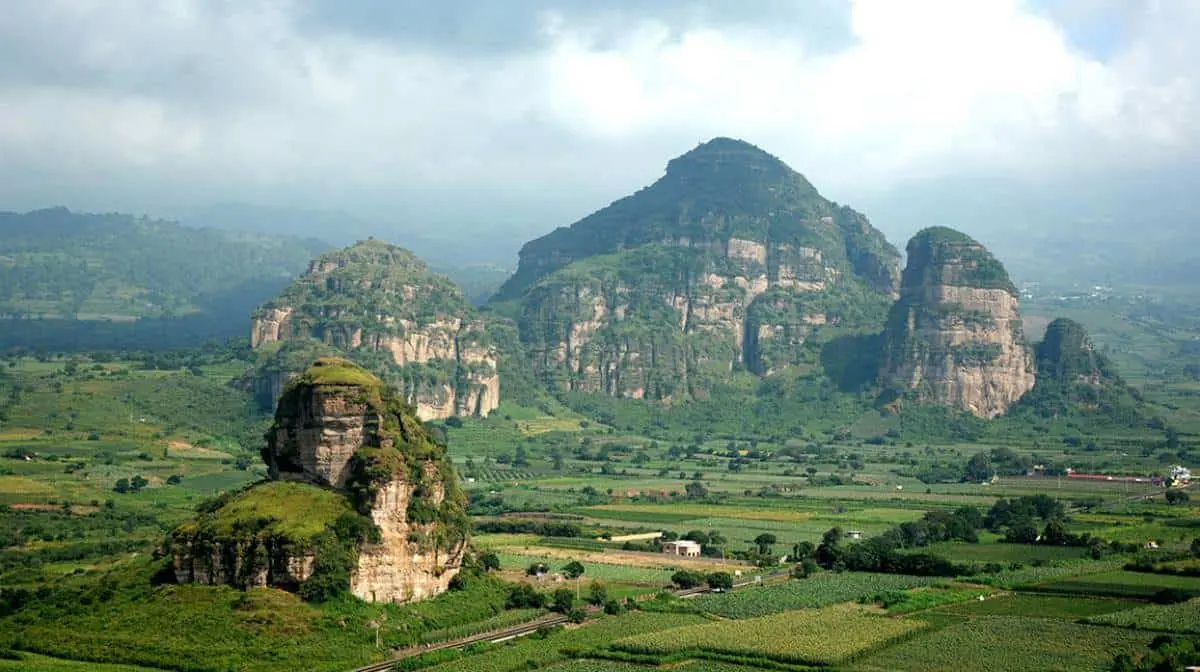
pixel 1008 644
pixel 812 637
pixel 1120 584
pixel 819 591
pixel 1182 618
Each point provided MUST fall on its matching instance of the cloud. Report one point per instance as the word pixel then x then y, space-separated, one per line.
pixel 454 111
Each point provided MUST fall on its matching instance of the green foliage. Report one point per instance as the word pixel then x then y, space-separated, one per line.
pixel 65 266
pixel 818 591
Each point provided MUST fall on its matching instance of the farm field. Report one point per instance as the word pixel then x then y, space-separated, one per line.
pixel 1136 585
pixel 1041 606
pixel 1182 618
pixel 818 591
pixel 1008 644
pixel 810 637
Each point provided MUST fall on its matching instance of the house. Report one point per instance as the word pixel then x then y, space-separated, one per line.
pixel 682 548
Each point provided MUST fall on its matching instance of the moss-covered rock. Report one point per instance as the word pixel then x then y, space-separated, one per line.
pixel 362 499
pixel 383 307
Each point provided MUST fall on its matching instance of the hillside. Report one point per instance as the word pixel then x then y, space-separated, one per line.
pixel 731 261
pixel 382 306
pixel 58 268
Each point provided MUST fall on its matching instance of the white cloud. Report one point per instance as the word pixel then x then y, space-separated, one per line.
pixel 218 98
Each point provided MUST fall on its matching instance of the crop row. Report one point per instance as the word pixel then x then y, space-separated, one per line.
pixel 814 637
pixel 1183 618
pixel 818 591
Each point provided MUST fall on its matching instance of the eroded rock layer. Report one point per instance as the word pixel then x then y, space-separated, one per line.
pixel 380 305
pixel 361 498
pixel 955 337
pixel 731 260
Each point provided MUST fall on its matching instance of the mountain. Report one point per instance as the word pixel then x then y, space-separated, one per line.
pixel 1074 377
pixel 954 338
pixel 730 261
pixel 383 307
pixel 72 281
pixel 360 499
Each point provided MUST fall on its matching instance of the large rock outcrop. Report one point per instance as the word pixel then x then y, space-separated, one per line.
pixel 731 261
pixel 384 308
pixel 360 498
pixel 954 337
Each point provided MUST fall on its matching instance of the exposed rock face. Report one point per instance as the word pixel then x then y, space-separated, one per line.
pixel 954 337
pixel 731 260
pixel 342 445
pixel 382 306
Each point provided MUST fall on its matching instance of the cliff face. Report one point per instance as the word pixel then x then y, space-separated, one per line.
pixel 954 337
pixel 731 260
pixel 355 477
pixel 382 306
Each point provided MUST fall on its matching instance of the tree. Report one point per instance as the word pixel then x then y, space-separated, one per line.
pixel 1022 532
pixel 573 569
pixel 536 569
pixel 1055 533
pixel 718 581
pixel 562 601
pixel 1177 497
pixel 523 596
pixel 241 464
pixel 686 579
pixel 764 542
pixel 597 593
pixel 1195 548
pixel 489 561
pixel 979 468
pixel 138 483
pixel 802 550
pixel 695 490
pixel 121 486
pixel 715 538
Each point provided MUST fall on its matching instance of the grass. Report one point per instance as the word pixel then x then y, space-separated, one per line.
pixel 530 652
pixel 297 511
pixel 30 662
pixel 1008 644
pixel 819 590
pixel 810 637
pixel 1120 584
pixel 1181 618
pixel 1040 606
pixel 919 599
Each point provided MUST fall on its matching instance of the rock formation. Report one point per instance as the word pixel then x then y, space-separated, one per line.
pixel 954 337
pixel 731 261
pixel 1073 376
pixel 360 495
pixel 380 305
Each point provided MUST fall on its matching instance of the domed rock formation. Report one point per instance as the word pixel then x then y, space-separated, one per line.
pixel 361 498
pixel 954 337
pixel 382 306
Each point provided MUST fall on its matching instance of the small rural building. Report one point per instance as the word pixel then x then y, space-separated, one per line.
pixel 683 548
pixel 854 534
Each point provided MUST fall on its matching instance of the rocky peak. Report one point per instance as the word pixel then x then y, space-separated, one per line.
pixel 731 259
pixel 344 447
pixel 382 306
pixel 1074 376
pixel 955 337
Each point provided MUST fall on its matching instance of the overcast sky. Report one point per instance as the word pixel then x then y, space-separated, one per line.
pixel 520 115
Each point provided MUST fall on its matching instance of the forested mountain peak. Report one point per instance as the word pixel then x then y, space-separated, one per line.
pixel 380 305
pixel 723 189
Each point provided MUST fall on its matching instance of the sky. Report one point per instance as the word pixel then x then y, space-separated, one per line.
pixel 503 120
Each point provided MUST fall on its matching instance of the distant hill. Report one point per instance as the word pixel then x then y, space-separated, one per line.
pixel 59 268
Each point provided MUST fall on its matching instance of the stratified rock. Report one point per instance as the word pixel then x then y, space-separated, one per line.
pixel 382 306
pixel 731 260
pixel 954 337
pixel 354 475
